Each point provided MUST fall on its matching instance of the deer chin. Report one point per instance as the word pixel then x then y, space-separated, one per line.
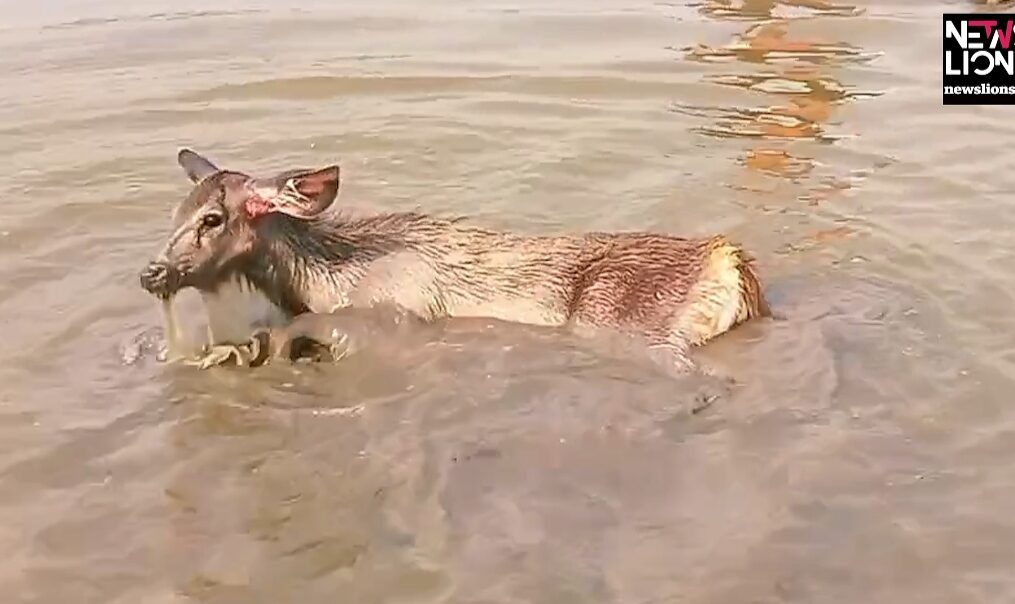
pixel 236 308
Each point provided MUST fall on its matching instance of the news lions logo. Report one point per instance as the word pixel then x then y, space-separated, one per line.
pixel 979 59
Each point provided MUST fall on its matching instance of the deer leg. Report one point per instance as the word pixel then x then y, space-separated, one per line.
pixel 250 353
pixel 674 359
pixel 219 354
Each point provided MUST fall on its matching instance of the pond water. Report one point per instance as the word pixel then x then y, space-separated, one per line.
pixel 865 452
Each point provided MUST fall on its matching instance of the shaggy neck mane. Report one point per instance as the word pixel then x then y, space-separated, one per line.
pixel 296 256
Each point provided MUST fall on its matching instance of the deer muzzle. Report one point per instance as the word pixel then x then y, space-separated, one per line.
pixel 159 279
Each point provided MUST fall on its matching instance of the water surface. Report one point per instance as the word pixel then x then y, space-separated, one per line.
pixel 865 453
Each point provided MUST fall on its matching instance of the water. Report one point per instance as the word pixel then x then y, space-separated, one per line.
pixel 864 455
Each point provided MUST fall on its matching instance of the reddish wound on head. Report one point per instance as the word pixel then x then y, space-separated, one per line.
pixel 257 205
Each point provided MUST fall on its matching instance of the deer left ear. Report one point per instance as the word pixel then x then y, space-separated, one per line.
pixel 319 186
pixel 303 194
pixel 310 193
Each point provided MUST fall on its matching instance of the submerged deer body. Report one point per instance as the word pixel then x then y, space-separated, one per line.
pixel 276 237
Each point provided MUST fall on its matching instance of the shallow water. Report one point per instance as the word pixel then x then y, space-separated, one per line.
pixel 865 453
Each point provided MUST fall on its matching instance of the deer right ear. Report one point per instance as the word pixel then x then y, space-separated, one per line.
pixel 196 166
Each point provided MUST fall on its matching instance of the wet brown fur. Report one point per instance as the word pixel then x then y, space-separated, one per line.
pixel 669 290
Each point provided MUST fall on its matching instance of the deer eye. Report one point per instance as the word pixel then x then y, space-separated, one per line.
pixel 212 220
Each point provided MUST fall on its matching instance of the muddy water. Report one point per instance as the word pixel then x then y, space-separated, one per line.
pixel 865 453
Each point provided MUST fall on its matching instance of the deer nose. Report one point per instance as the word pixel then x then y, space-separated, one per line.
pixel 155 278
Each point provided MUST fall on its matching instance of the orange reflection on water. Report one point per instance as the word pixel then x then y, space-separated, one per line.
pixel 765 9
pixel 795 72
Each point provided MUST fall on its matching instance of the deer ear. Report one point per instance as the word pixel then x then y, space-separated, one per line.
pixel 308 194
pixel 300 194
pixel 196 166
